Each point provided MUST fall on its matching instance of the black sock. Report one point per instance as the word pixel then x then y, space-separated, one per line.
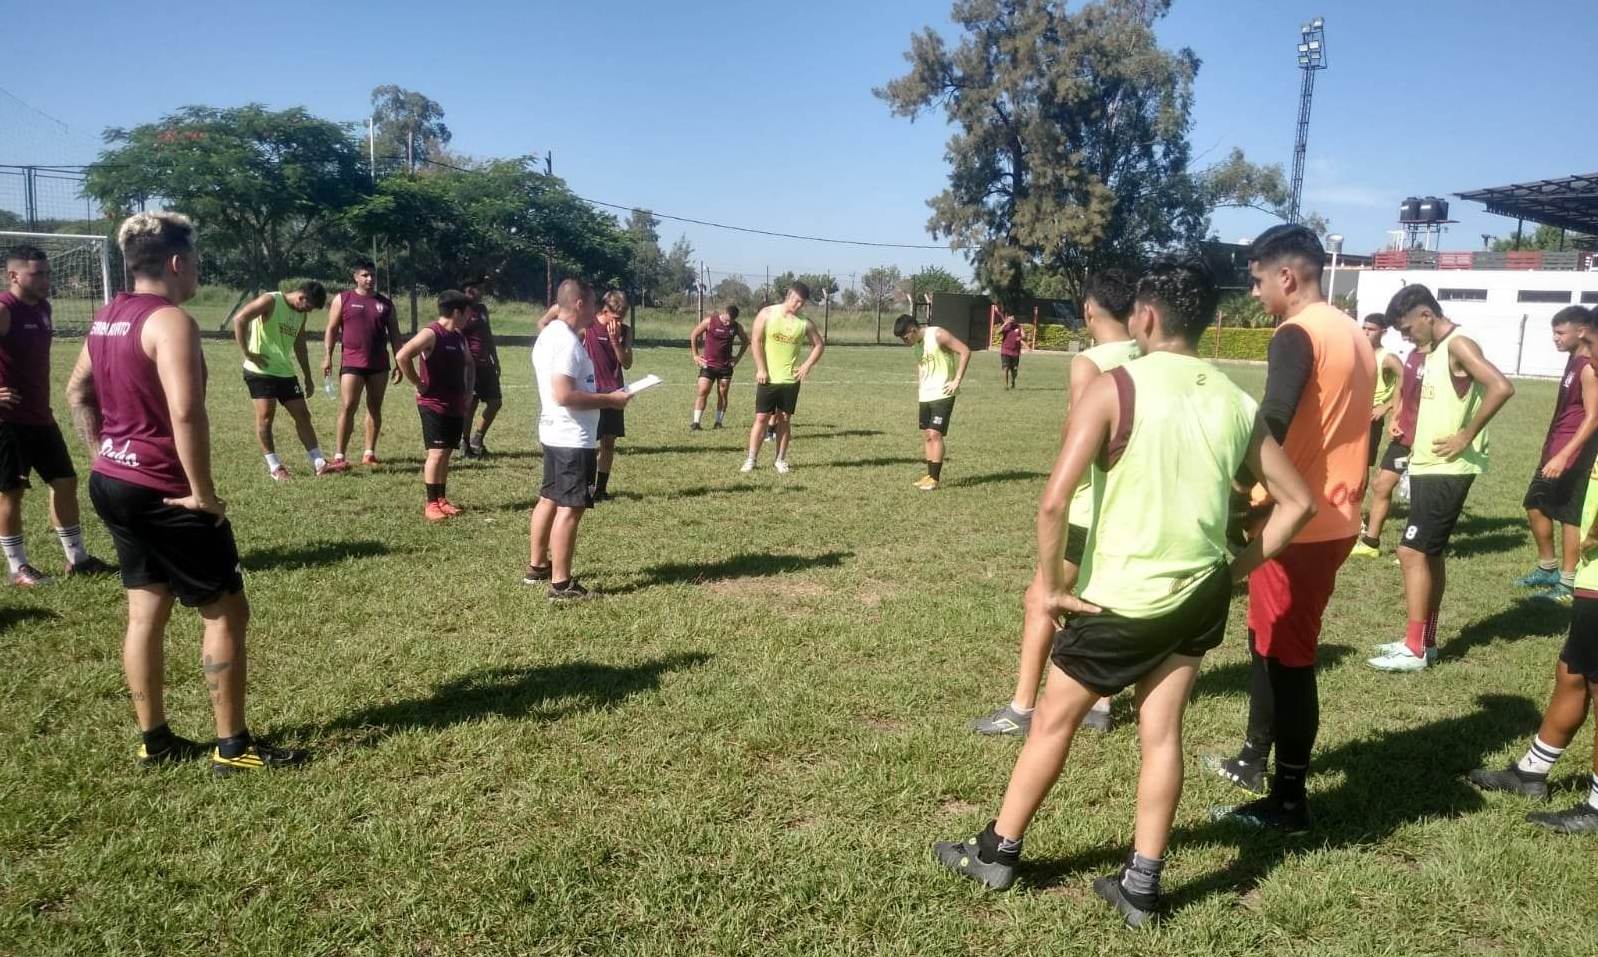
pixel 234 746
pixel 935 469
pixel 993 849
pixel 158 738
pixel 1298 721
pixel 1370 542
pixel 434 492
pixel 602 480
pixel 559 586
pixel 1261 734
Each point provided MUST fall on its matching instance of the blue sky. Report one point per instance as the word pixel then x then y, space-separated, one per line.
pixel 761 113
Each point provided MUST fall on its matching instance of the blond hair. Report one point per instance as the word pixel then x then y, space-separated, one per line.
pixel 149 240
pixel 616 302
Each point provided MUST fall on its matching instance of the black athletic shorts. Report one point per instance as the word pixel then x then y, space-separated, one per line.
pixel 1396 458
pixel 191 553
pixel 1009 362
pixel 1435 504
pixel 1076 544
pixel 32 448
pixel 278 387
pixel 1108 652
pixel 776 397
pixel 613 423
pixel 440 431
pixel 1580 653
pixel 1561 499
pixel 715 372
pixel 365 372
pixel 936 415
pixel 569 476
pixel 487 387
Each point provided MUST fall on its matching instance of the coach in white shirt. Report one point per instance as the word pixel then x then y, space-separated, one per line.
pixel 568 427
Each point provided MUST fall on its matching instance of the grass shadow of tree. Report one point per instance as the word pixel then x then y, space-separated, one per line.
pixel 745 565
pixel 279 557
pixel 1526 618
pixel 994 478
pixel 13 617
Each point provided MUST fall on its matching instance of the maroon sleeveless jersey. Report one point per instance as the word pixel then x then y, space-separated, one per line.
pixel 25 361
pixel 443 373
pixel 719 337
pixel 363 330
pixel 1409 391
pixel 1568 410
pixel 607 368
pixel 477 333
pixel 136 442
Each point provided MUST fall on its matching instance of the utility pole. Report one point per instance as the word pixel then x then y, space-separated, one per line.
pixel 549 248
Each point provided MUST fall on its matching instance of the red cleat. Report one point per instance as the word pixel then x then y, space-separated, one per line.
pixel 334 467
pixel 434 512
pixel 369 458
pixel 448 508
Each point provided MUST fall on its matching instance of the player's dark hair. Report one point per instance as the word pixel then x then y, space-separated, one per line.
pixel 1573 314
pixel 1183 293
pixel 149 241
pixel 1289 242
pixel 361 262
pixel 902 325
pixel 24 253
pixel 732 313
pixel 315 293
pixel 451 301
pixel 1410 298
pixel 1377 319
pixel 803 289
pixel 1114 290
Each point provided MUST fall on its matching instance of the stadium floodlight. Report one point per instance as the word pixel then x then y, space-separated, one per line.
pixel 1311 54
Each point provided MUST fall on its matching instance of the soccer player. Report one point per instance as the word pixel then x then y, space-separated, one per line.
pixel 30 440
pixel 568 430
pixel 610 346
pixel 1108 300
pixel 1560 482
pixel 1575 685
pixel 443 386
pixel 940 368
pixel 271 333
pixel 716 359
pixel 361 321
pixel 1172 430
pixel 1395 460
pixel 1320 384
pixel 1010 338
pixel 485 357
pixel 778 333
pixel 1460 392
pixel 138 399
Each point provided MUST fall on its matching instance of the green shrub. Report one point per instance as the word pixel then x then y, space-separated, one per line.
pixel 1232 343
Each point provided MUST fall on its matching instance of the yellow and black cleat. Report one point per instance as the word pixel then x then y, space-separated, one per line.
pixel 258 756
pixel 177 752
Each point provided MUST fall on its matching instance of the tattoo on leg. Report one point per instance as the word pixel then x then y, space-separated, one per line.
pixel 213 670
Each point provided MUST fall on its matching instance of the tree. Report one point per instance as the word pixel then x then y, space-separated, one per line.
pixel 679 274
pixel 1070 150
pixel 733 291
pixel 646 264
pixel 1239 184
pixel 933 279
pixel 850 298
pixel 266 186
pixel 1546 238
pixel 410 126
pixel 878 286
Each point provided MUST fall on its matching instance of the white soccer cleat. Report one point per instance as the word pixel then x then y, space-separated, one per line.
pixel 781 467
pixel 1400 660
pixel 748 466
pixel 1398 647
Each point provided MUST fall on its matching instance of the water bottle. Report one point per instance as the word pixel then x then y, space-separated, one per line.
pixel 327 385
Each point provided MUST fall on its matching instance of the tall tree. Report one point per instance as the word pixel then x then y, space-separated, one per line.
pixel 410 125
pixel 1237 183
pixel 646 264
pixel 1546 238
pixel 1070 148
pixel 265 185
pixel 879 286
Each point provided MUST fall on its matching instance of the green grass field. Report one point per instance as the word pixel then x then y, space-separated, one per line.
pixel 751 744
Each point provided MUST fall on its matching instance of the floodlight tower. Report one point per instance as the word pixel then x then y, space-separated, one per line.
pixel 1311 60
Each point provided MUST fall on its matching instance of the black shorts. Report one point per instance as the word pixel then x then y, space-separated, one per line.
pixel 487 387
pixel 1076 544
pixel 569 476
pixel 612 423
pixel 1561 499
pixel 715 372
pixel 32 448
pixel 365 372
pixel 1580 653
pixel 936 415
pixel 276 387
pixel 1108 652
pixel 776 397
pixel 1435 504
pixel 440 431
pixel 191 553
pixel 1009 362
pixel 1396 458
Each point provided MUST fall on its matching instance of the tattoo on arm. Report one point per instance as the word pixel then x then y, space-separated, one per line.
pixel 86 419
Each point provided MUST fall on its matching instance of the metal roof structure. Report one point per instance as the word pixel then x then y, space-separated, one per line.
pixel 1568 203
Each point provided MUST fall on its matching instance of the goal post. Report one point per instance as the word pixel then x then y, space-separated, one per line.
pixel 80 274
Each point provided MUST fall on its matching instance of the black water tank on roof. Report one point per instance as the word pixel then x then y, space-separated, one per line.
pixel 1409 210
pixel 1433 210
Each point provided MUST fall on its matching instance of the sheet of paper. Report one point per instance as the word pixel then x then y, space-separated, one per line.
pixel 647 382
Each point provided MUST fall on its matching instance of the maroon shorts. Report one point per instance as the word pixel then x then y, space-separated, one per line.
pixel 1287 597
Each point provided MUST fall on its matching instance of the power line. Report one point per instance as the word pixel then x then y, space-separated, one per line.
pixel 768 232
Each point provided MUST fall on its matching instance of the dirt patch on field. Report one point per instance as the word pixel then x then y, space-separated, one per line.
pixel 778 588
pixel 957 806
pixel 882 725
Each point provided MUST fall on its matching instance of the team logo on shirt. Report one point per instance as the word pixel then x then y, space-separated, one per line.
pixel 123 456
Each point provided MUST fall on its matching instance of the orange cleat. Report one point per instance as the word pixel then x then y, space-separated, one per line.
pixel 448 508
pixel 435 512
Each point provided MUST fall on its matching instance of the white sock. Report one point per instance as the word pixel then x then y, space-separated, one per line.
pixel 1540 757
pixel 273 463
pixel 72 544
pixel 369 452
pixel 1101 706
pixel 318 460
pixel 477 439
pixel 16 553
pixel 698 414
pixel 338 456
pixel 1020 710
pixel 1592 794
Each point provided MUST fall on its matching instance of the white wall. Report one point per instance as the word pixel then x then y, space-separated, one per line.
pixel 1514 335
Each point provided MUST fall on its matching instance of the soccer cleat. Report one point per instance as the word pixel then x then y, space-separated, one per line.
pixel 1006 720
pixel 1362 550
pixel 748 466
pixel 922 481
pixel 569 592
pixel 26 576
pixel 257 756
pixel 1560 594
pixel 450 509
pixel 1400 660
pixel 964 858
pixel 771 434
pixel 930 485
pixel 479 451
pixel 1511 780
pixel 177 751
pixel 717 425
pixel 1249 777
pixel 599 496
pixel 280 474
pixel 434 512
pixel 1099 721
pixel 696 427
pixel 1289 817
pixel 1581 819
pixel 90 566
pixel 782 467
pixel 1399 647
pixel 369 458
pixel 536 575
pixel 333 467
pixel 1539 578
pixel 1136 910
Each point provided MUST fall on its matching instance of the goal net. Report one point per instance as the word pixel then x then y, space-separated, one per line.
pixel 80 275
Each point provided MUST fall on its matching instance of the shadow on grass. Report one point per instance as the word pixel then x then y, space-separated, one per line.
pixel 316 553
pixel 1233 679
pixel 12 617
pixel 746 565
pixel 1486 544
pixel 700 491
pixel 459 461
pixel 994 478
pixel 541 693
pixel 871 463
pixel 1476 524
pixel 1527 617
pixel 1368 807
